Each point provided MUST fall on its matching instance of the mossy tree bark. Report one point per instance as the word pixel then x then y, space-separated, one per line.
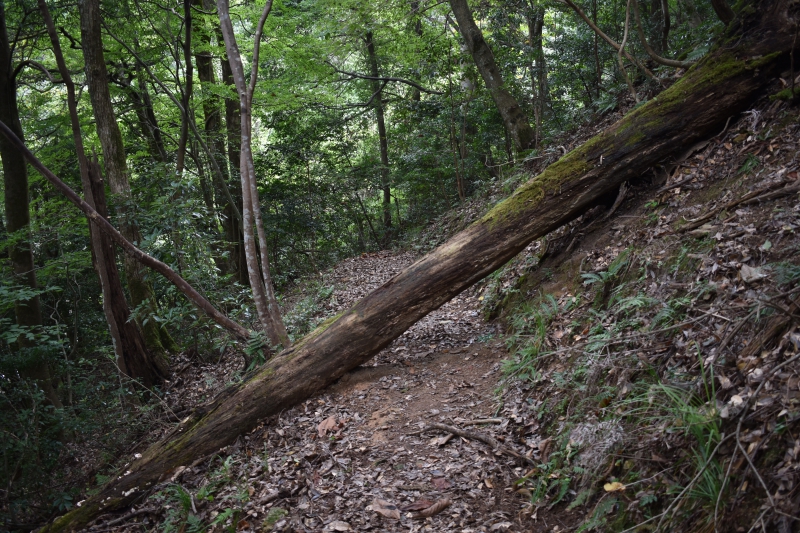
pixel 694 108
pixel 116 167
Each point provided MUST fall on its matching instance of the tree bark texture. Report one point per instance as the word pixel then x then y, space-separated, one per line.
pixel 133 357
pixel 115 162
pixel 377 104
pixel 513 117
pixel 695 107
pixel 136 361
pixel 233 228
pixel 17 206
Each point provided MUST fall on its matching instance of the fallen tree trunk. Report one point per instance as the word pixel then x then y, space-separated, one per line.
pixel 695 107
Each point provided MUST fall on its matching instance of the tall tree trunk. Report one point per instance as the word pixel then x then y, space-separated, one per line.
pixel 212 126
pixel 538 69
pixel 136 360
pixel 233 230
pixel 133 357
pixel 416 24
pixel 116 167
pixel 188 83
pixel 260 278
pixel 695 107
pixel 513 117
pixel 17 205
pixel 377 103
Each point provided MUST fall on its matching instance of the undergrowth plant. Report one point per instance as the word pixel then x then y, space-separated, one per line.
pixel 530 325
pixel 597 398
pixel 307 313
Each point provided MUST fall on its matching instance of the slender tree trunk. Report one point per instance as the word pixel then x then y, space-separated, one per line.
pixel 260 279
pixel 233 120
pixel 133 357
pixel 116 165
pixel 17 206
pixel 513 117
pixel 416 22
pixel 665 25
pixel 212 126
pixel 597 65
pixel 188 84
pixel 694 108
pixel 377 104
pixel 538 71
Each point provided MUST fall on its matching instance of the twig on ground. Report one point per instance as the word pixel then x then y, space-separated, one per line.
pixel 483 421
pixel 722 488
pixel 472 435
pixel 696 223
pixel 760 517
pixel 774 195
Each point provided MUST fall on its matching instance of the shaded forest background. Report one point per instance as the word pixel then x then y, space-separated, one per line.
pixel 368 122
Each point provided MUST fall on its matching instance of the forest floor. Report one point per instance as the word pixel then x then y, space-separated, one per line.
pixel 639 356
pixel 355 456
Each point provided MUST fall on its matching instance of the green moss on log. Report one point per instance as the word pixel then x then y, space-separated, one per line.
pixel 635 128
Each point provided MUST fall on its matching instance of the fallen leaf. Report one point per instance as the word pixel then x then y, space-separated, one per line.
pixel 441 483
pixel 751 274
pixel 326 425
pixel 434 509
pixel 614 487
pixel 385 508
pixel 417 505
pixel 338 525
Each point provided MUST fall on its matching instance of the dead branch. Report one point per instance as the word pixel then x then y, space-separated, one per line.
pixel 473 435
